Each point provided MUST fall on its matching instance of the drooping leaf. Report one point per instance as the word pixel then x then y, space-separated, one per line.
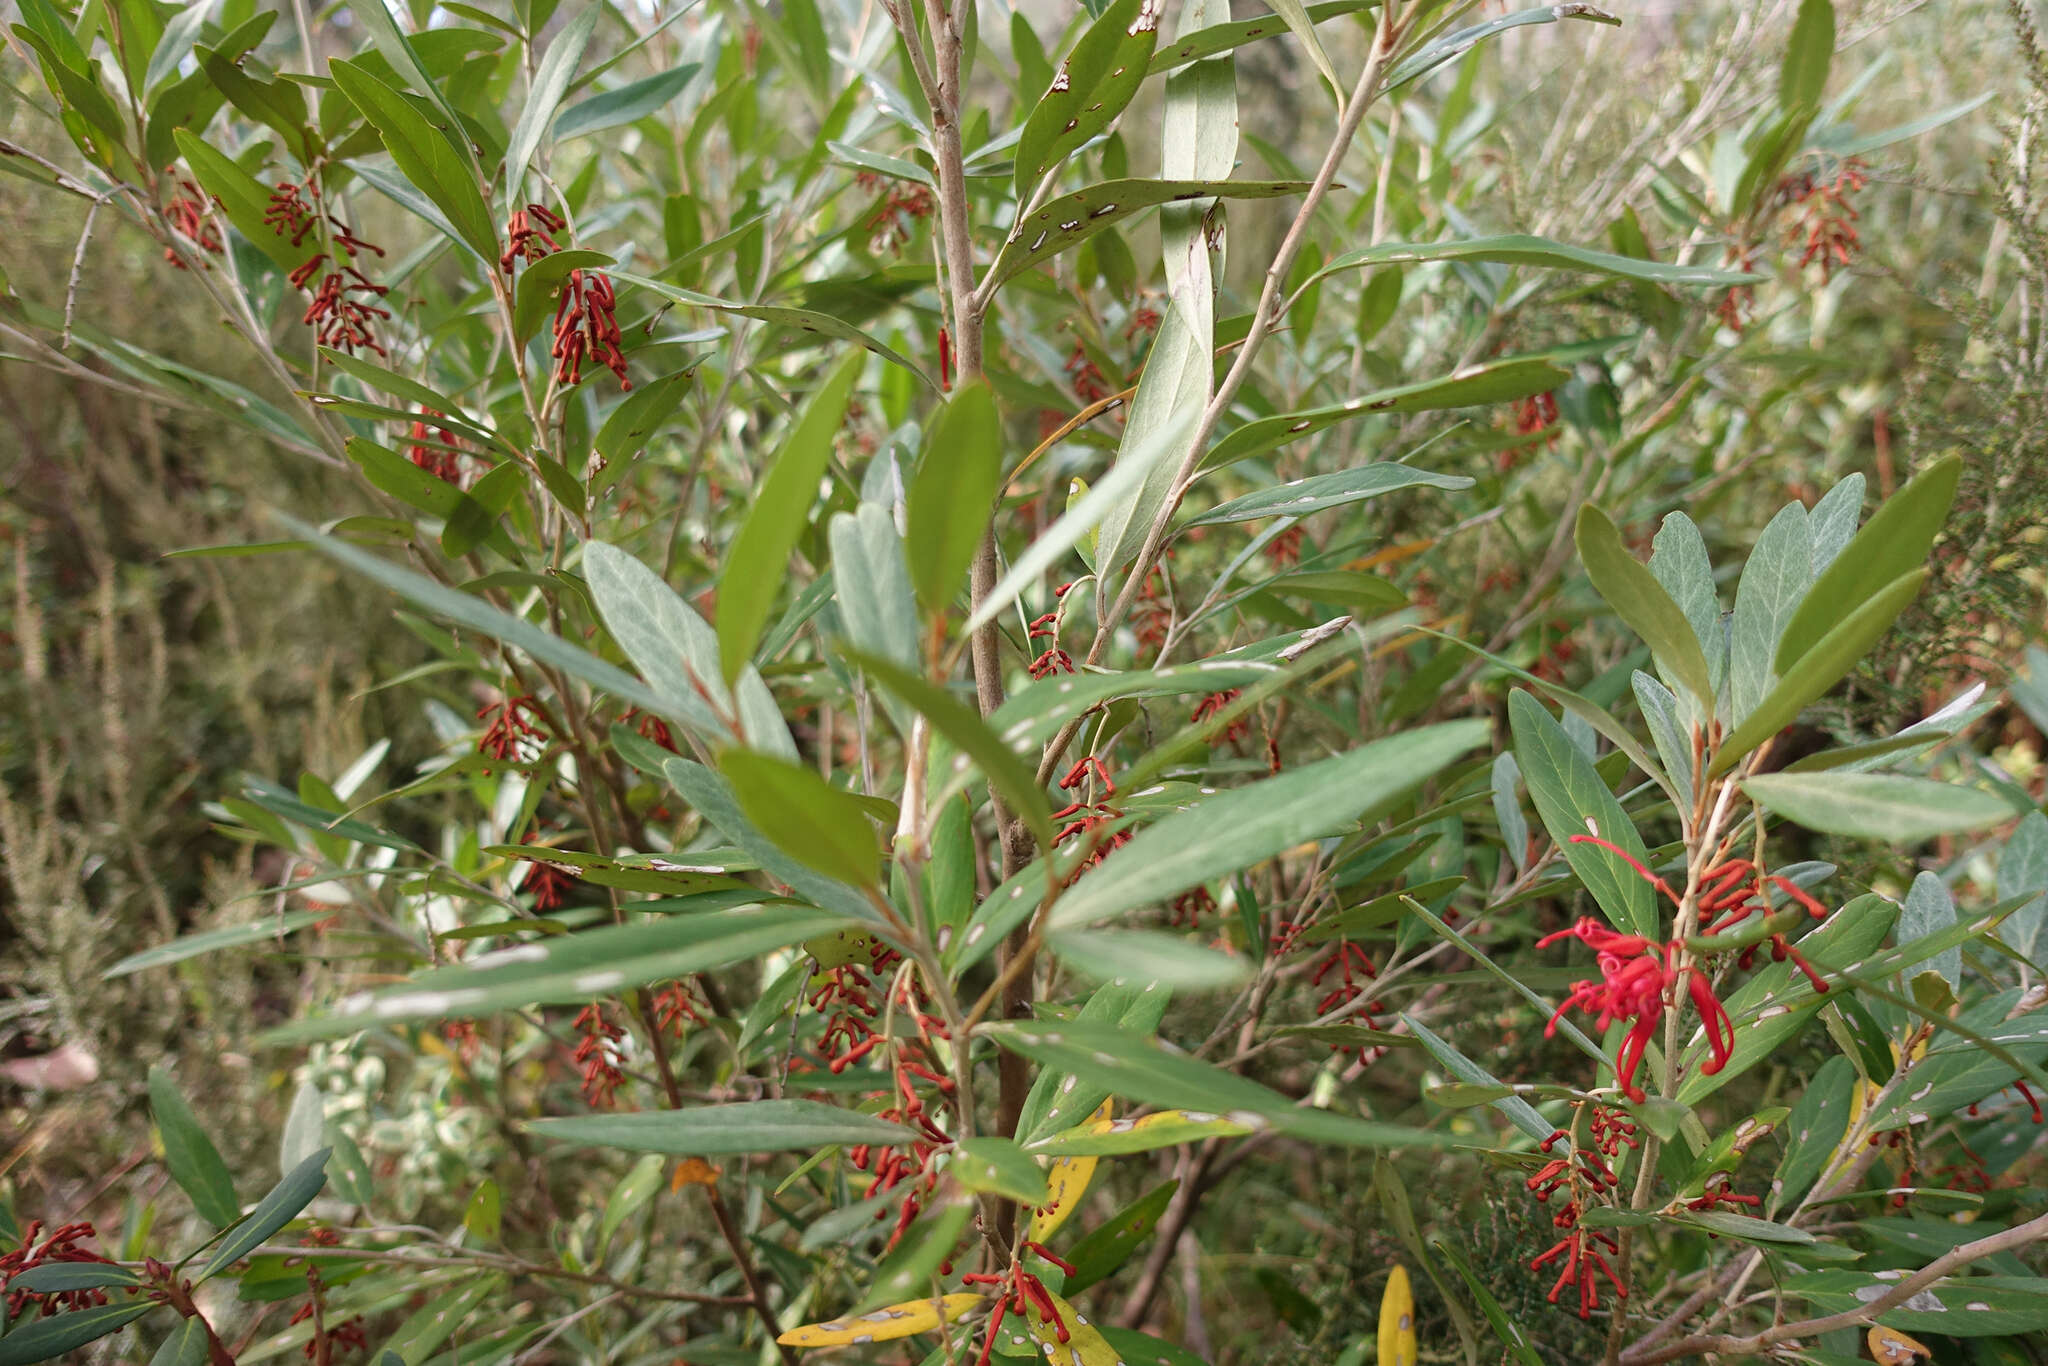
pixel 1879 806
pixel 757 560
pixel 760 1126
pixel 1246 826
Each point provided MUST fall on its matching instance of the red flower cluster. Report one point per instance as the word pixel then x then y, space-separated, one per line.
pixel 1533 416
pixel 1826 223
pixel 1213 705
pixel 436 450
pixel 1152 613
pixel 908 1168
pixel 529 236
pixel 1351 964
pixel 513 734
pixel 896 213
pixel 1637 975
pixel 599 1054
pixel 1088 818
pixel 1189 907
pixel 672 1005
pixel 187 214
pixel 1017 1288
pixel 1142 320
pixel 61 1246
pixel 341 314
pixel 1284 550
pixel 1090 384
pixel 586 325
pixel 1047 627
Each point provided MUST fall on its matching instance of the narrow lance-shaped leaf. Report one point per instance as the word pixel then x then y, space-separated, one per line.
pixel 1094 83
pixel 1246 826
pixel 1072 219
pixel 1300 497
pixel 760 1126
pixel 272 1212
pixel 1573 801
pixel 550 83
pixel 755 564
pixel 1640 600
pixel 1879 806
pixel 1892 543
pixel 1520 249
pixel 194 1162
pixel 953 493
pixel 427 156
pixel 821 826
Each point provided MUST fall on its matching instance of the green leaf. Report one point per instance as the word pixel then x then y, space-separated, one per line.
pixel 241 198
pixel 572 968
pixel 963 726
pixel 1148 956
pixel 1773 581
pixel 1640 600
pixel 1894 542
pixel 1107 1246
pixel 760 1126
pixel 1095 82
pixel 550 82
pixel 1776 1002
pixel 434 1322
pixel 1059 1100
pixel 2023 871
pixel 627 104
pixel 871 581
pixel 953 493
pixel 1929 909
pixel 1969 1306
pixel 1217 38
pixel 58 1277
pixel 1500 382
pixel 1143 1134
pixel 1301 497
pixel 1519 249
pixel 1510 1333
pixel 208 941
pixel 194 1162
pixel 1817 670
pixel 427 156
pixel 272 1212
pixel 756 564
pixel 186 1345
pixel 1142 1068
pixel 1456 44
pixel 678 654
pixel 1816 1126
pixel 1246 826
pixel 1572 799
pixel 1304 30
pixel 1803 78
pixel 1072 219
pixel 998 1165
pixel 45 1338
pixel 910 1269
pixel 823 827
pixel 1519 1112
pixel 1879 806
pixel 803 320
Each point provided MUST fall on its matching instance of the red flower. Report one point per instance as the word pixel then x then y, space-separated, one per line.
pixel 586 325
pixel 1637 976
pixel 60 1246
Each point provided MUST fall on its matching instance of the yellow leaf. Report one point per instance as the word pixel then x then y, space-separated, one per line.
pixel 1890 1347
pixel 1068 1181
pixel 693 1171
pixel 894 1321
pixel 1397 1321
pixel 838 949
pixel 1083 1344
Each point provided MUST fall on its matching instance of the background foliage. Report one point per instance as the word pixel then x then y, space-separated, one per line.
pixel 175 727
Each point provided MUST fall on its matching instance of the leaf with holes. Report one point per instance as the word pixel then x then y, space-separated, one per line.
pixel 1094 83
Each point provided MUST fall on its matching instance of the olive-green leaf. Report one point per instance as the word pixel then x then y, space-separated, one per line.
pixel 1573 800
pixel 1803 78
pixel 761 1126
pixel 1878 806
pixel 1094 83
pixel 1248 825
pixel 1893 542
pixel 427 156
pixel 999 1166
pixel 756 565
pixel 1074 218
pixel 1641 601
pixel 272 1212
pixel 550 82
pixel 47 1338
pixel 823 827
pixel 1521 249
pixel 953 492
pixel 1818 669
pixel 194 1162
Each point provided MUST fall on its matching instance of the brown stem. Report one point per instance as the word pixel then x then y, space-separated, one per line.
pixel 2020 1235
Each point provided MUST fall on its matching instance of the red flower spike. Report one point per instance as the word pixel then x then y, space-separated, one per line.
pixel 1720 1030
pixel 1213 705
